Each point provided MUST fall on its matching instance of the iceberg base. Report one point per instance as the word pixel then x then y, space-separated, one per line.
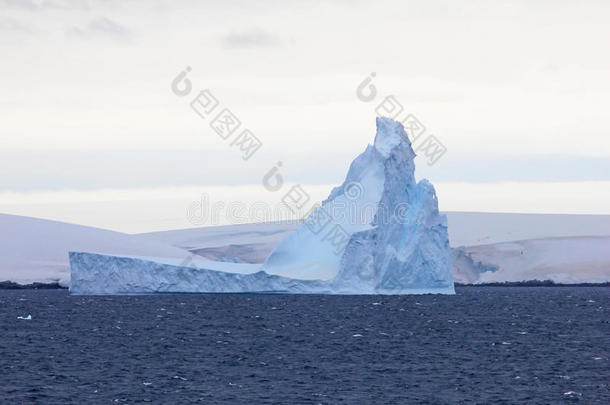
pixel 97 274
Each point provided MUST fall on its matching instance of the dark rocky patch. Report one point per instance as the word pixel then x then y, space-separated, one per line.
pixel 9 285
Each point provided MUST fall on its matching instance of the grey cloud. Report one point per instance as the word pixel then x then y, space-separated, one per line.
pixel 107 26
pixel 8 24
pixel 101 26
pixel 250 39
pixel 36 5
pixel 26 170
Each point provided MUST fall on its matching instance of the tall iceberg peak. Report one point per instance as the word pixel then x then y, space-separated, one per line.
pixel 395 239
pixel 389 135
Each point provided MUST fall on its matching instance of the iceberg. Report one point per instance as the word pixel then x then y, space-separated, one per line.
pixel 380 232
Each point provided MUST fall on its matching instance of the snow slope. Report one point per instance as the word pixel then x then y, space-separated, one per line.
pixel 36 250
pixel 479 228
pixel 252 243
pixel 562 260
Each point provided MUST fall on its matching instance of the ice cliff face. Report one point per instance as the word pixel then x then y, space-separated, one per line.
pixel 380 232
pixel 408 250
pixel 394 240
pixel 97 274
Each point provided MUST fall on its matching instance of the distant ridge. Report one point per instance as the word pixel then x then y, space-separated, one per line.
pixel 533 283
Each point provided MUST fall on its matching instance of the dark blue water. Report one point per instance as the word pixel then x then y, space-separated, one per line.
pixel 487 344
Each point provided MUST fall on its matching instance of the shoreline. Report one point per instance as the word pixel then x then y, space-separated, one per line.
pixel 11 285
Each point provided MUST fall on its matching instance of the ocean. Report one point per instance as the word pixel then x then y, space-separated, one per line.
pixel 483 345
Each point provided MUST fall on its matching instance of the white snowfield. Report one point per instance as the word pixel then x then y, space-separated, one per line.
pixel 251 243
pixel 36 250
pixel 562 260
pixel 482 228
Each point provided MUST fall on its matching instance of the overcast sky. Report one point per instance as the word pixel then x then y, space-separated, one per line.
pixel 92 133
